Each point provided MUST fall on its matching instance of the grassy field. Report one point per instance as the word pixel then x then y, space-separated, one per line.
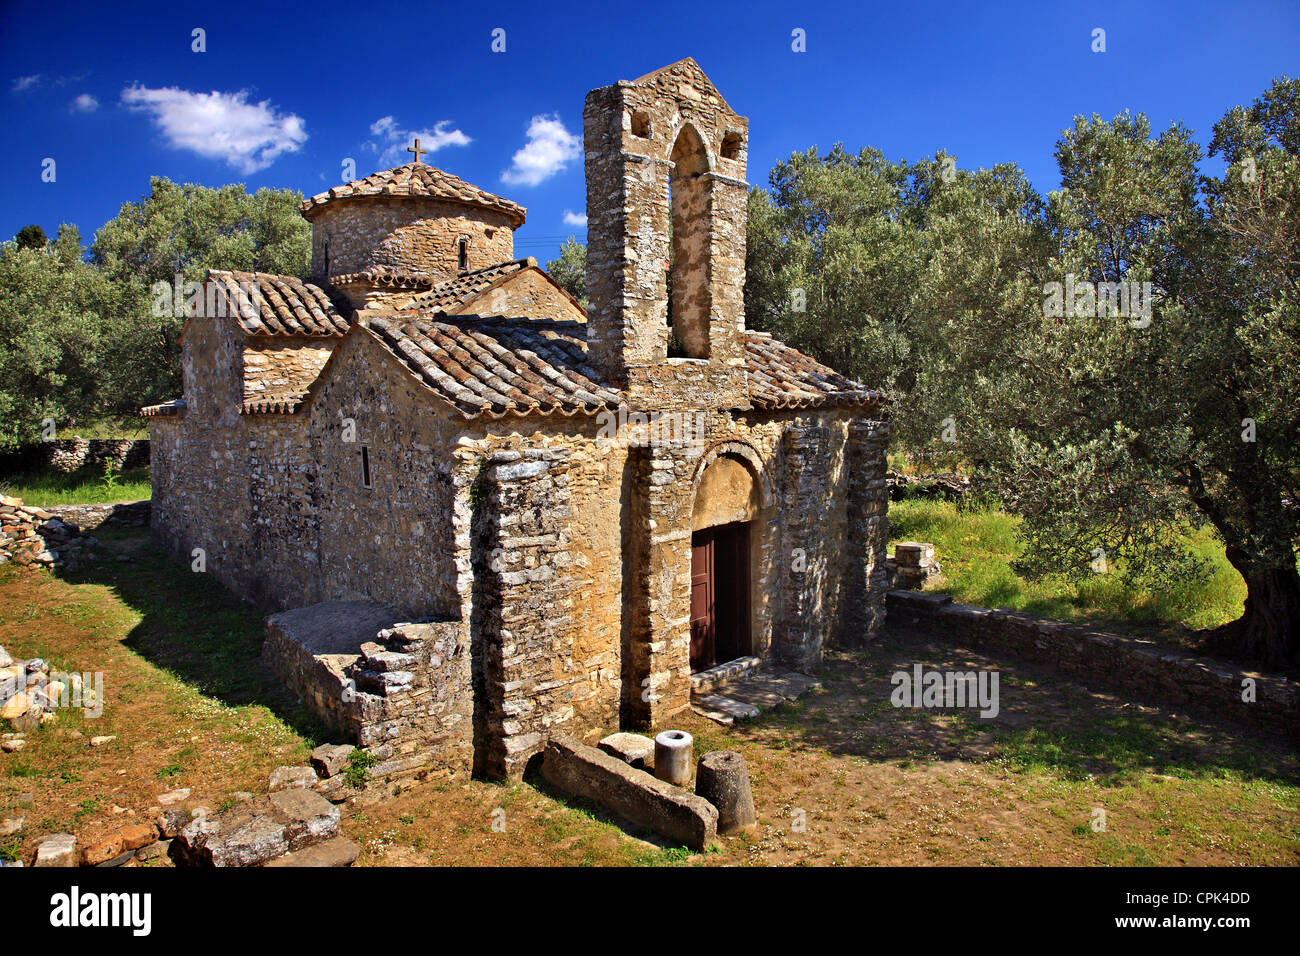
pixel 840 778
pixel 975 549
pixel 84 486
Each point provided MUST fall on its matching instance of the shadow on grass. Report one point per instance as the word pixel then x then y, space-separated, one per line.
pixel 659 851
pixel 192 627
pixel 1045 724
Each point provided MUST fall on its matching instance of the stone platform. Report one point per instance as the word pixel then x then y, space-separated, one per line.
pixel 399 688
pixel 743 689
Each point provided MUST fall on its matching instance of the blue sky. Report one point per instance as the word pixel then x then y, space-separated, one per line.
pixel 117 95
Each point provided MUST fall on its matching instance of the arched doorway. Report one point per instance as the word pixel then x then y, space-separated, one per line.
pixel 724 524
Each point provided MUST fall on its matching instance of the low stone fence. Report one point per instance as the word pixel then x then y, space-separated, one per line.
pixel 33 537
pixel 1142 668
pixel 943 486
pixel 121 514
pixel 69 454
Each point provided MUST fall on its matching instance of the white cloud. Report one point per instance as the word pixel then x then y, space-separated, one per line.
pixel 24 83
pixel 549 147
pixel 248 136
pixel 572 218
pixel 391 140
pixel 85 103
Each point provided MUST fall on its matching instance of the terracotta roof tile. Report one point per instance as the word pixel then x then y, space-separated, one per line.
pixel 385 277
pixel 451 293
pixel 783 377
pixel 287 306
pixel 499 366
pixel 416 179
pixel 175 407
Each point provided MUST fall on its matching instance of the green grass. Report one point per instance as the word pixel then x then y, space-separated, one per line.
pixel 83 486
pixel 976 548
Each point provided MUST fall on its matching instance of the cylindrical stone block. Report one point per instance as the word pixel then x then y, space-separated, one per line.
pixel 723 780
pixel 673 752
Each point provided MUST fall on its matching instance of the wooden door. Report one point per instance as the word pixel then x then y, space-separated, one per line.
pixel 702 607
pixel 719 595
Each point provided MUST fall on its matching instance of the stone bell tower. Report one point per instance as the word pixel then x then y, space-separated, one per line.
pixel 666 207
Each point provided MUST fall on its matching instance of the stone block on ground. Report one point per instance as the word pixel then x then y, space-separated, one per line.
pixel 339 851
pixel 721 709
pixel 104 850
pixel 57 850
pixel 723 779
pixel 634 795
pixel 329 759
pixel 285 778
pixel 232 838
pixel 307 817
pixel 635 750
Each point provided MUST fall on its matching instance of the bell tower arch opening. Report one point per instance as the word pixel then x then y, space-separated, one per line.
pixel 689 299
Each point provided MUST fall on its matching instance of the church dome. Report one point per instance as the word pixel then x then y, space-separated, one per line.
pixel 418 180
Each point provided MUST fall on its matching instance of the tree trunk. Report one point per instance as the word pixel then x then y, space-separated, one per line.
pixel 1269 630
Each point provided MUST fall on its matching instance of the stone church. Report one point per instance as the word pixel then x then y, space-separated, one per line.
pixel 485 515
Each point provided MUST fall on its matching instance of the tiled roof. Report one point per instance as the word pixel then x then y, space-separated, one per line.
pixel 175 407
pixel 451 293
pixel 416 179
pixel 385 277
pixel 782 377
pixel 287 306
pixel 273 405
pixel 499 366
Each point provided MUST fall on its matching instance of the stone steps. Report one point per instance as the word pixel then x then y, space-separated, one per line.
pixel 747 695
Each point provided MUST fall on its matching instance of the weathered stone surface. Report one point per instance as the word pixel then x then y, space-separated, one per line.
pixel 633 794
pixel 1130 664
pixel 722 709
pixel 284 778
pixel 137 835
pixel 723 779
pixel 178 795
pixel 104 850
pixel 11 825
pixel 339 851
pixel 674 751
pixel 171 822
pixel 550 550
pixel 232 840
pixel 635 750
pixel 307 817
pixel 153 851
pixel 329 759
pixel 57 850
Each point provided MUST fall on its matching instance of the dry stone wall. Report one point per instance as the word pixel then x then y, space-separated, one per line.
pixel 1142 668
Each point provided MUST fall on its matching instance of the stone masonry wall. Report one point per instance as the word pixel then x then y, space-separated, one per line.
pixel 866 574
pixel 391 542
pixel 1129 664
pixel 630 134
pixel 283 365
pixel 526 292
pixel 522 623
pixel 407 235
